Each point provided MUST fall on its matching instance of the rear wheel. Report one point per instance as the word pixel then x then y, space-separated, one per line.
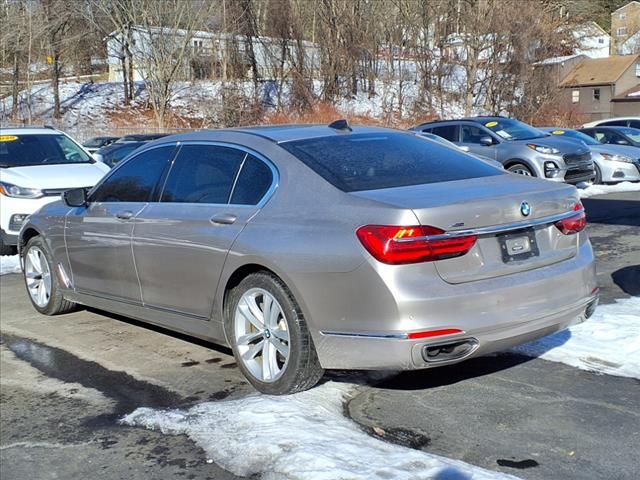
pixel 520 169
pixel 42 284
pixel 269 336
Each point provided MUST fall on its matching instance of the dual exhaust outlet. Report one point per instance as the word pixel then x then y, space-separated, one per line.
pixel 447 351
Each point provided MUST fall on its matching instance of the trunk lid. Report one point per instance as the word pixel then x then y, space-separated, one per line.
pixel 523 243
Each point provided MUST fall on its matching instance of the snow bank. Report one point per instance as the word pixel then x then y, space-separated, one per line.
pixel 586 190
pixel 9 264
pixel 297 437
pixel 609 342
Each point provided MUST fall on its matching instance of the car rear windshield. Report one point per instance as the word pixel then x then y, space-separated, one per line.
pixel 372 161
pixel 28 150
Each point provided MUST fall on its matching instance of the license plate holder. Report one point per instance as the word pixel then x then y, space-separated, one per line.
pixel 517 246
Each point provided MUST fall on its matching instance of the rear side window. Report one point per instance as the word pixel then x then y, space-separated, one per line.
pixel 254 180
pixel 448 132
pixel 373 161
pixel 136 180
pixel 203 174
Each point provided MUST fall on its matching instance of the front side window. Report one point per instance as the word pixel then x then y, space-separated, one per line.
pixel 136 180
pixel 30 150
pixel 472 134
pixel 371 161
pixel 203 174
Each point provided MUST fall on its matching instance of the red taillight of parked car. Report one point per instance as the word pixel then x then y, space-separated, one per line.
pixel 575 223
pixel 400 245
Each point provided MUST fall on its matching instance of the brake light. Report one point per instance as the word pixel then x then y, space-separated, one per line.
pixel 575 223
pixel 399 245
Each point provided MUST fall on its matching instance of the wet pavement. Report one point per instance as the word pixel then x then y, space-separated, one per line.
pixel 65 381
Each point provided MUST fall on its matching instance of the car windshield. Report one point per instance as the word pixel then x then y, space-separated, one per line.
pixel 372 161
pixel 510 129
pixel 115 155
pixel 632 133
pixel 577 135
pixel 436 138
pixel 45 149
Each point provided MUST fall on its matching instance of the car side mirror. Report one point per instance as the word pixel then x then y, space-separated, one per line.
pixel 486 141
pixel 76 197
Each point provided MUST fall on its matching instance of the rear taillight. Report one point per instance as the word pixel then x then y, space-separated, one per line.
pixel 397 245
pixel 575 223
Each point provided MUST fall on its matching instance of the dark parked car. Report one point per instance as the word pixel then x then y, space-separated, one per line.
pixel 521 148
pixel 94 144
pixel 142 137
pixel 113 154
pixel 307 248
pixel 615 135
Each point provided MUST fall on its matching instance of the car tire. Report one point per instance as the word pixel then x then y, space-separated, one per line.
pixel 283 341
pixel 43 285
pixel 520 169
pixel 598 178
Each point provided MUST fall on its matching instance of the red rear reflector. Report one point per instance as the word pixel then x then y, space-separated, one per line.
pixel 433 333
pixel 394 245
pixel 573 224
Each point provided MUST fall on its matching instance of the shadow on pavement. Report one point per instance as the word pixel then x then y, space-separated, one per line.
pixel 628 279
pixel 612 212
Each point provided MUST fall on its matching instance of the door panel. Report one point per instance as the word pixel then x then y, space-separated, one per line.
pixel 99 246
pixel 470 136
pixel 180 253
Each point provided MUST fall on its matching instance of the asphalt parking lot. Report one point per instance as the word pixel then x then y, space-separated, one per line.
pixel 65 381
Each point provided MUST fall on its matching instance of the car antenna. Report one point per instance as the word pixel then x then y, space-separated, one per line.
pixel 341 125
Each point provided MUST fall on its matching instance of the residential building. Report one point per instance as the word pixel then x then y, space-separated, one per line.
pixel 591 87
pixel 625 22
pixel 627 104
pixel 591 40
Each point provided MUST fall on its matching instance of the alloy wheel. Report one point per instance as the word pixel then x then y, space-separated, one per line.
pixel 38 276
pixel 261 335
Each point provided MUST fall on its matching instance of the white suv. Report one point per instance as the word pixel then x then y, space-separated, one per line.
pixel 36 166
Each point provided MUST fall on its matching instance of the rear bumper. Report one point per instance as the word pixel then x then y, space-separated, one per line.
pixel 496 313
pixel 377 353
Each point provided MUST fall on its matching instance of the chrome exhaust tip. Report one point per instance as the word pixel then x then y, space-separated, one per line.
pixel 447 351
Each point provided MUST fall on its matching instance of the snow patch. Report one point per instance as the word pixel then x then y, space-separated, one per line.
pixel 609 342
pixel 9 264
pixel 586 190
pixel 299 437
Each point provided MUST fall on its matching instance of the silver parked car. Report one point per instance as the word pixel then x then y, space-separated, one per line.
pixel 521 148
pixel 613 163
pixel 307 248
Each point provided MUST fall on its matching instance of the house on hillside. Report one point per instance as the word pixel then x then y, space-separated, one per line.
pixel 210 55
pixel 597 87
pixel 631 45
pixel 627 103
pixel 591 40
pixel 625 23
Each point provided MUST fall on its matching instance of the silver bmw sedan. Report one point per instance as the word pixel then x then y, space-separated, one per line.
pixel 309 247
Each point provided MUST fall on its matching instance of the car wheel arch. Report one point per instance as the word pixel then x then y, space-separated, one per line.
pixel 514 161
pixel 26 235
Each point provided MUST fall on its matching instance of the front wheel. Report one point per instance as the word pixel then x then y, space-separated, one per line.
pixel 598 177
pixel 269 336
pixel 42 284
pixel 520 169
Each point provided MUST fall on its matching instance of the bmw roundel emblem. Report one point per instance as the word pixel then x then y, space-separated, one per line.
pixel 525 209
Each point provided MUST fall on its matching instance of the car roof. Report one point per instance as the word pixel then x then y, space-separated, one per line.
pixel 282 133
pixel 29 131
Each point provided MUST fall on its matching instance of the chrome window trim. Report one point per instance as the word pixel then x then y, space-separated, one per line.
pixel 275 175
pixel 493 229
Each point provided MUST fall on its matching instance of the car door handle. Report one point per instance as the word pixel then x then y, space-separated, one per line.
pixel 126 215
pixel 224 219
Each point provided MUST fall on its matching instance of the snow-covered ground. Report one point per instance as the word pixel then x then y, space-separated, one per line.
pixel 299 437
pixel 9 264
pixel 586 190
pixel 609 342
